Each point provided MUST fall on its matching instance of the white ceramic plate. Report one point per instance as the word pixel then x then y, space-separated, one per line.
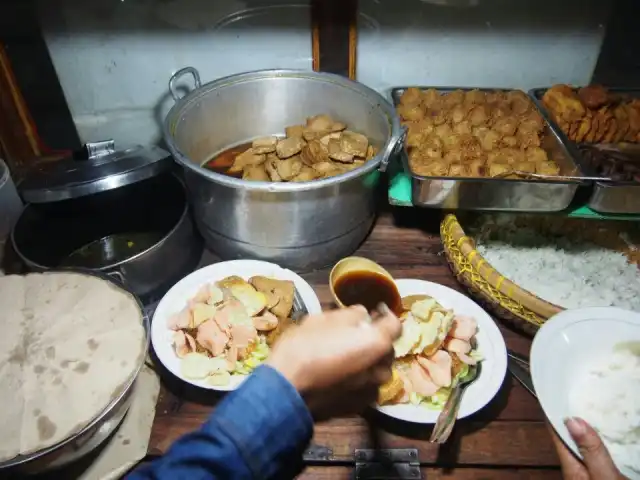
pixel 176 299
pixel 564 346
pixel 490 344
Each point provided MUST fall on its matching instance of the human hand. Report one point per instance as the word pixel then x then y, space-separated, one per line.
pixel 337 360
pixel 597 465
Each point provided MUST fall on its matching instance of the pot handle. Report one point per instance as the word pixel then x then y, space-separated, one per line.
pixel 178 75
pixel 118 276
pixel 394 148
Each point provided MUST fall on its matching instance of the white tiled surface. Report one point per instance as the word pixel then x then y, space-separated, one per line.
pixel 114 57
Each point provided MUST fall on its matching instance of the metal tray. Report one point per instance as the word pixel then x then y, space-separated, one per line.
pixel 607 197
pixel 492 193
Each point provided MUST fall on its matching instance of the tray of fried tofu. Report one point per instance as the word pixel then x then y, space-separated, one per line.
pixel 603 126
pixel 462 144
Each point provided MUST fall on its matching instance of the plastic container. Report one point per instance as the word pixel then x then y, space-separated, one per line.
pixel 10 203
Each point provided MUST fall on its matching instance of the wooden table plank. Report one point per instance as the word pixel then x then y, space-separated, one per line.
pixel 508 433
pixel 504 443
pixel 431 473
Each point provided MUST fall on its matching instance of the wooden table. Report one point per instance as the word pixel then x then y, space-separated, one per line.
pixel 506 440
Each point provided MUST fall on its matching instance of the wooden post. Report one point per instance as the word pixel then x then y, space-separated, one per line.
pixel 17 132
pixel 334 36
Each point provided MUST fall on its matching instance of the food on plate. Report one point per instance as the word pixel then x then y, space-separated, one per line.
pixel 226 328
pixel 70 344
pixel 605 394
pixel 593 114
pixel 572 263
pixel 618 165
pixel 432 354
pixel 321 148
pixel 473 133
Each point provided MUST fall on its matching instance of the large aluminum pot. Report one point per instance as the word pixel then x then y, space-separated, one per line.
pixel 298 225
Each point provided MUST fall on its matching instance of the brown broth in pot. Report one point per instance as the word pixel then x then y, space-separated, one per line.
pixel 221 162
pixel 368 289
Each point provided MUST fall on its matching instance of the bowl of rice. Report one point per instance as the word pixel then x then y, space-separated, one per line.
pixel 586 363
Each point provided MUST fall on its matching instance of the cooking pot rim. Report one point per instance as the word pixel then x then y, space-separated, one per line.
pixel 111 266
pixel 394 137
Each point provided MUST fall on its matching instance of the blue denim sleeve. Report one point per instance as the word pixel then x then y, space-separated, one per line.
pixel 259 431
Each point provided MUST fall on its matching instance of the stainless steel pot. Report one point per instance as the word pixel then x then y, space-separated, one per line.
pixel 141 233
pixel 297 225
pixel 92 435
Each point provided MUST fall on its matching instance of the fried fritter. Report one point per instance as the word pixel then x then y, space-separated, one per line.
pixel 473 133
pixel 430 97
pixel 593 96
pixel 410 112
pixel 411 96
pixel 462 128
pixel 506 126
pixel 474 97
pixel 564 103
pixel 489 140
pixel 478 116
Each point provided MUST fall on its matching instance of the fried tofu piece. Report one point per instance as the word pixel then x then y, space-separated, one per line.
pixel 294 131
pixel 354 143
pixel 328 137
pixel 271 167
pixel 320 123
pixel 289 167
pixel 282 289
pixel 264 145
pixel 283 325
pixel 288 147
pixel 247 158
pixel 337 153
pixel 256 173
pixel 314 152
pixel 306 175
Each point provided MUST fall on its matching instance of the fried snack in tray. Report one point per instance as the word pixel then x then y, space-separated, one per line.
pixel 321 148
pixel 472 133
pixel 227 327
pixel 431 356
pixel 593 114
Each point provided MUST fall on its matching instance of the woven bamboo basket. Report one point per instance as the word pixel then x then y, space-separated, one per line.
pixel 521 308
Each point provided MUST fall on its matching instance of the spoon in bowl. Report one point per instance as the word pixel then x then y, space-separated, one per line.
pixel 449 414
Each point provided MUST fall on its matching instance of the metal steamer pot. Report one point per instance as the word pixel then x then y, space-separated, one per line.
pixel 124 214
pixel 298 225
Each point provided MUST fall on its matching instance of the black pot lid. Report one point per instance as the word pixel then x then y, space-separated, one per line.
pixel 100 167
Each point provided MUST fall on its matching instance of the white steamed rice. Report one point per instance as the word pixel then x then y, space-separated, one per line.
pixel 607 395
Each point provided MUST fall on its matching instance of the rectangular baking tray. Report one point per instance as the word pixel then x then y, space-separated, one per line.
pixel 489 194
pixel 607 197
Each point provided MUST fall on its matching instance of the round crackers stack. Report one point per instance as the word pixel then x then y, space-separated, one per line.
pixel 70 344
